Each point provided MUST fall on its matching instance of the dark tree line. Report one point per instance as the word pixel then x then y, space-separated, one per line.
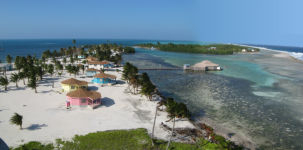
pixel 215 49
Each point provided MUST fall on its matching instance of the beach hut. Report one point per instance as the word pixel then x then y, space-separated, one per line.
pixel 82 97
pixel 73 84
pixel 90 72
pixel 102 78
pixel 91 58
pixel 100 64
pixel 205 66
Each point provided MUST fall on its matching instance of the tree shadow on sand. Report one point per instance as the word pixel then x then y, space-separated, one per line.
pixel 3 145
pixel 92 88
pixel 107 102
pixel 120 82
pixel 36 126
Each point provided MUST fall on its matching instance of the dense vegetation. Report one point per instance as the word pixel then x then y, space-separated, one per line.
pixel 136 139
pixel 147 88
pixel 216 49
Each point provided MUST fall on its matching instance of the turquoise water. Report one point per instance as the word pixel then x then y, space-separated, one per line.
pixel 257 95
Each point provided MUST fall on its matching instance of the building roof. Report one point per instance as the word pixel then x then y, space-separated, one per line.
pixel 91 58
pixel 82 93
pixel 204 64
pixel 103 75
pixel 92 69
pixel 73 81
pixel 99 62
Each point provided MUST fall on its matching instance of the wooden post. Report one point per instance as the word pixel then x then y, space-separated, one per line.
pixel 172 133
pixel 152 136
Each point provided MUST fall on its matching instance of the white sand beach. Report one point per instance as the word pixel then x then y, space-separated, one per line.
pixel 45 117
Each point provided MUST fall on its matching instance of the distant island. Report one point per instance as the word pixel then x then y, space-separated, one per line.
pixel 214 49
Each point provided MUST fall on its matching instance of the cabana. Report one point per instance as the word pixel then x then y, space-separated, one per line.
pixel 102 78
pixel 91 58
pixel 203 66
pixel 82 97
pixel 100 64
pixel 90 72
pixel 73 84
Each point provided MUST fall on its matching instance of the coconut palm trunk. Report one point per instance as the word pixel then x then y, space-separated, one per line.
pixel 172 133
pixel 152 136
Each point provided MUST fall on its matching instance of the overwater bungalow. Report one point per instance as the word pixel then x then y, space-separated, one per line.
pixel 73 84
pixel 102 78
pixel 203 66
pixel 82 97
pixel 90 72
pixel 100 64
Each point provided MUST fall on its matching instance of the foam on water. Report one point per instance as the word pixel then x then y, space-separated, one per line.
pixel 296 55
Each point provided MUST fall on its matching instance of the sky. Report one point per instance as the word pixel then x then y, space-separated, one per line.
pixel 272 22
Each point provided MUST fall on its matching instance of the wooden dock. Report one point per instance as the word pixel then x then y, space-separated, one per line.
pixel 160 69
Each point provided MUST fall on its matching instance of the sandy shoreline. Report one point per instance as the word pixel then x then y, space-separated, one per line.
pixel 281 54
pixel 45 117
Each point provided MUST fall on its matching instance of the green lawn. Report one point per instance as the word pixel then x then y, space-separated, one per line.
pixel 136 139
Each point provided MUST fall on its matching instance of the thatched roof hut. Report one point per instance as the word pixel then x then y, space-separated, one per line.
pixel 205 65
pixel 104 75
pixel 73 81
pixel 99 62
pixel 91 58
pixel 92 69
pixel 82 93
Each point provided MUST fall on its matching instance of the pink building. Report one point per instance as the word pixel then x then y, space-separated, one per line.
pixel 82 97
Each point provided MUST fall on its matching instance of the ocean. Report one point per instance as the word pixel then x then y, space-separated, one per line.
pixel 256 95
pixel 24 47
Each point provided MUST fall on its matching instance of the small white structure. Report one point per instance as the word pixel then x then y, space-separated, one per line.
pixel 212 48
pixel 100 64
pixel 243 50
pixel 81 57
pixel 186 66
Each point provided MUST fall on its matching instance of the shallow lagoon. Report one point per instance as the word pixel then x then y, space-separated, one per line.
pixel 257 95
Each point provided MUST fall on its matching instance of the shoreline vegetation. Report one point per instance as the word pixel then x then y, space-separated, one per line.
pixel 213 49
pixel 67 59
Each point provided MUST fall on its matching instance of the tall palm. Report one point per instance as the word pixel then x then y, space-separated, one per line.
pixel 74 41
pixel 33 83
pixel 4 82
pixel 22 76
pixel 17 120
pixel 15 78
pixel 9 59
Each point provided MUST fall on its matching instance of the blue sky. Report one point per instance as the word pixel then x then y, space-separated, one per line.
pixel 230 21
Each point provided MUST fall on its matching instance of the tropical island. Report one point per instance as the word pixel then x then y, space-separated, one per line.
pixel 214 49
pixel 67 83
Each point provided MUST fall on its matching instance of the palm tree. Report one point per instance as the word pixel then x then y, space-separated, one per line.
pixel 152 136
pixel 9 59
pixel 74 41
pixel 17 120
pixel 33 83
pixel 50 69
pixel 4 82
pixel 172 132
pixel 22 76
pixel 15 78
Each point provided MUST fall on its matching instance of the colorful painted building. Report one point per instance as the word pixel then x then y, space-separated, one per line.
pixel 102 78
pixel 82 97
pixel 73 84
pixel 90 72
